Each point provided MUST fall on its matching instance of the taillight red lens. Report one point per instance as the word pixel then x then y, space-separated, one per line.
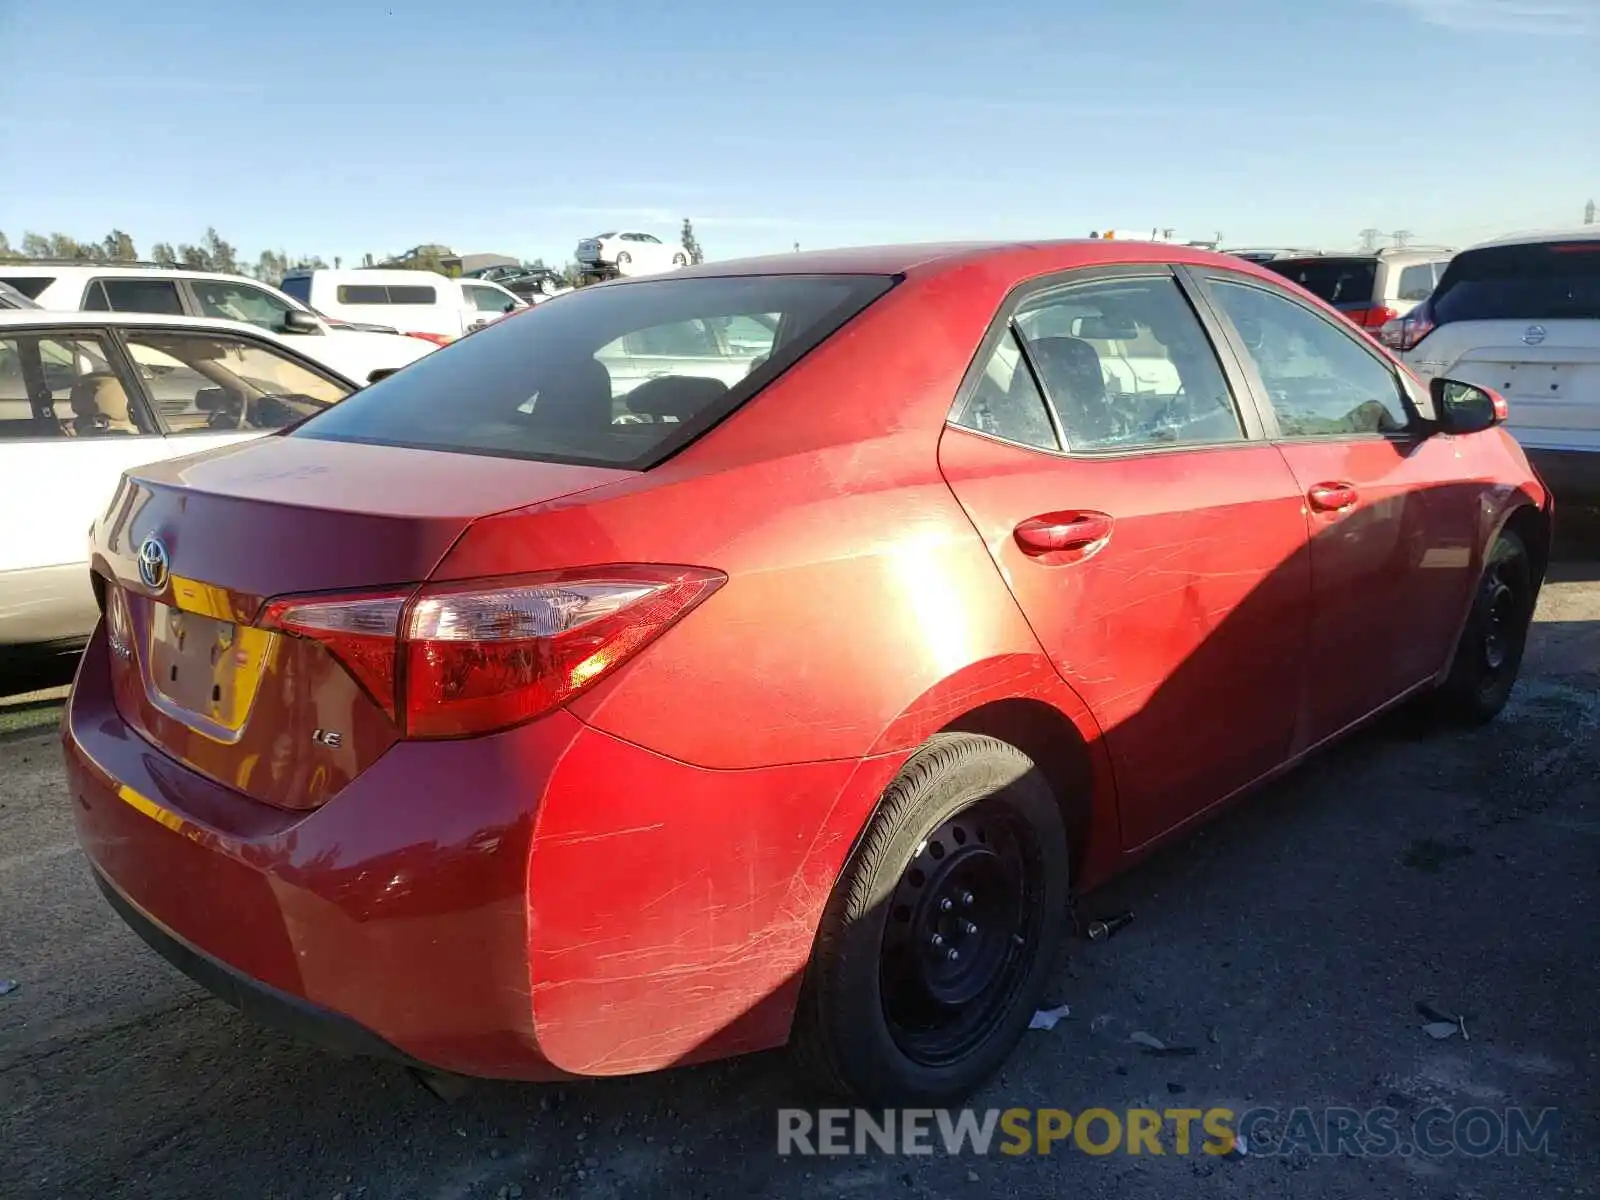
pixel 1372 318
pixel 438 339
pixel 357 630
pixel 458 659
pixel 1405 332
pixel 483 656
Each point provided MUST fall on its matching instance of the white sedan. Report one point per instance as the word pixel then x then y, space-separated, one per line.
pixel 629 253
pixel 86 396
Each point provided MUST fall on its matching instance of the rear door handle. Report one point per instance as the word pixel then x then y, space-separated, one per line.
pixel 1053 533
pixel 1332 497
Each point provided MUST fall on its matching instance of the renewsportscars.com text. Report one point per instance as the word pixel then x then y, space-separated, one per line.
pixel 1369 1133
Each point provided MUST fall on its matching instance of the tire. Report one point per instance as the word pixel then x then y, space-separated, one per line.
pixel 680 260
pixel 623 259
pixel 1489 656
pixel 885 1016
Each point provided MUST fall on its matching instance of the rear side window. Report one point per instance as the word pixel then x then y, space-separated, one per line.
pixel 560 383
pixel 377 293
pixel 1544 281
pixel 1339 281
pixel 1416 283
pixel 1007 403
pixel 134 295
pixel 30 286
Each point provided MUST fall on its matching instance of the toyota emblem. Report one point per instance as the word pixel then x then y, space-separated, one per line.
pixel 153 563
pixel 1534 335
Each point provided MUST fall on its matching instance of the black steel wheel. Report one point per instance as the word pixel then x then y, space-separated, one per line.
pixel 964 922
pixel 1489 655
pixel 939 938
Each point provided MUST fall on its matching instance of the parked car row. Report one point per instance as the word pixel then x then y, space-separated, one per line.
pixel 1520 314
pixel 353 349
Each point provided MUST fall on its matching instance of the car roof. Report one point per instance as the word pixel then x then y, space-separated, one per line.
pixel 1027 258
pixel 120 271
pixel 1585 233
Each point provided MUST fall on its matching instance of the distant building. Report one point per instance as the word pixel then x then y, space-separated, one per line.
pixel 467 263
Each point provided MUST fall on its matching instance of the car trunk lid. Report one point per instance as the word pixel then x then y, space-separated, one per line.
pixel 189 552
pixel 1548 371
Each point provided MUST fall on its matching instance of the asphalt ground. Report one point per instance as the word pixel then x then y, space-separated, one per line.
pixel 1282 951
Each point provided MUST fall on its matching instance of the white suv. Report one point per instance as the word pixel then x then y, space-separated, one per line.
pixel 629 253
pixel 175 291
pixel 1522 315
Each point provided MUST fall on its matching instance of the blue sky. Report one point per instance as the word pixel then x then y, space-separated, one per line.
pixel 371 125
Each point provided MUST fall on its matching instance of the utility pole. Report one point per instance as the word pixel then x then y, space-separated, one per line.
pixel 1588 213
pixel 1401 237
pixel 1369 240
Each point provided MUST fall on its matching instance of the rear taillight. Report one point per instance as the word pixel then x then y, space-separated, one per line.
pixel 1405 332
pixel 1372 318
pixel 438 339
pixel 357 630
pixel 458 659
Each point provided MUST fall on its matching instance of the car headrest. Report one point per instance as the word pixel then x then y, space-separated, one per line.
pixel 1071 365
pixel 676 396
pixel 573 393
pixel 101 395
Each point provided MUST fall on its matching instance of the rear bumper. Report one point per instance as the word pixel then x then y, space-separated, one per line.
pixel 262 1004
pixel 542 903
pixel 1573 476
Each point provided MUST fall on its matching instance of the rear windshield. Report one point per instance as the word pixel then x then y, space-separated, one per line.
pixel 1339 281
pixel 298 286
pixel 619 376
pixel 1544 281
pixel 29 285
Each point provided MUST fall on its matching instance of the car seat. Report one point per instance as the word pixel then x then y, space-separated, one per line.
pixel 574 396
pixel 1071 373
pixel 100 406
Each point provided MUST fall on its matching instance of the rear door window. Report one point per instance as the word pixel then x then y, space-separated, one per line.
pixel 135 295
pixel 1127 365
pixel 1542 281
pixel 1341 282
pixel 56 386
pixel 378 293
pixel 617 376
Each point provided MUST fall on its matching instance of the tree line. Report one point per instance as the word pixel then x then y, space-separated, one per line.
pixel 212 253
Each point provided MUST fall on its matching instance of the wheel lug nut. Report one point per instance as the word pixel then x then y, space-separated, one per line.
pixel 952 955
pixel 936 941
pixel 970 927
pixel 945 905
pixel 966 899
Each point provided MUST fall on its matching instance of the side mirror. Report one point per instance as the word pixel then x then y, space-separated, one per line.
pixel 295 321
pixel 510 306
pixel 1467 407
pixel 380 373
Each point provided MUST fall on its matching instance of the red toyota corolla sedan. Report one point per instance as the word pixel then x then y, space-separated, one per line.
pixel 762 654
